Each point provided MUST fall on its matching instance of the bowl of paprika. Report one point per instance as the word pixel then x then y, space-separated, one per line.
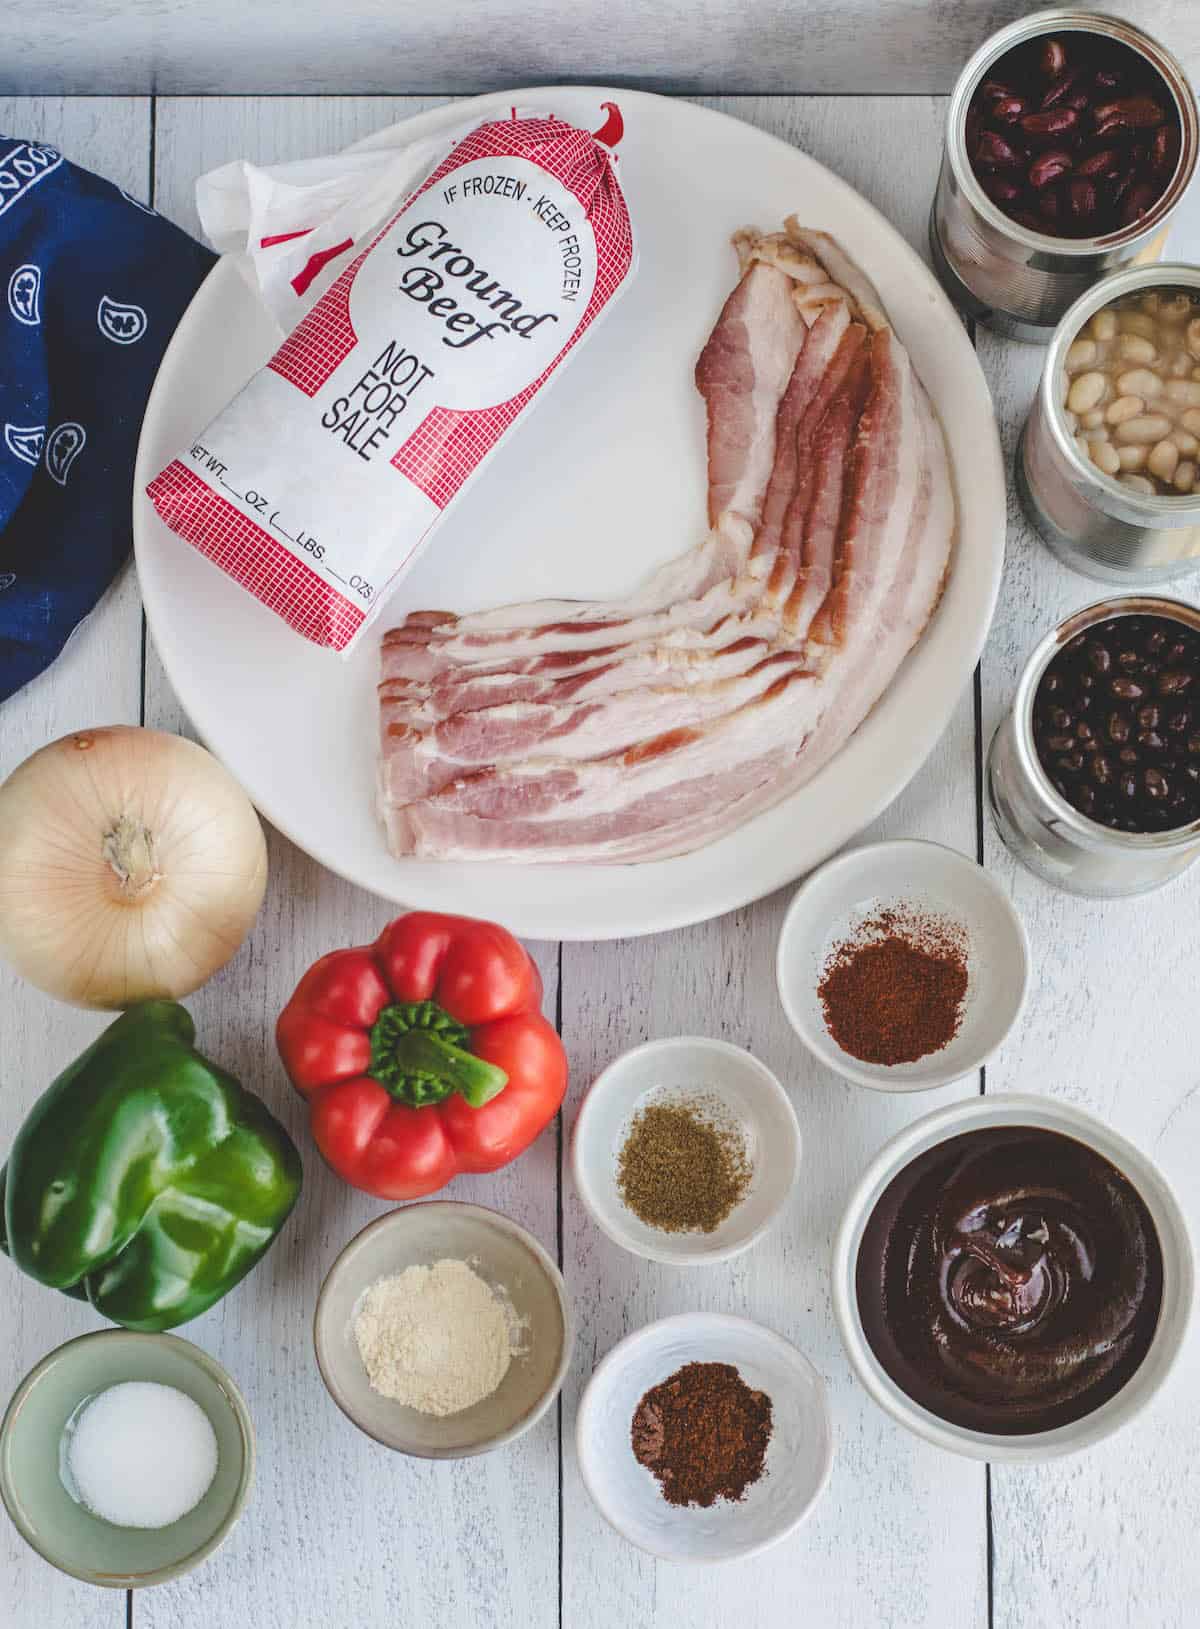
pixel 902 966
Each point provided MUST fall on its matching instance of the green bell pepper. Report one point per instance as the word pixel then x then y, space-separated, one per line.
pixel 146 1180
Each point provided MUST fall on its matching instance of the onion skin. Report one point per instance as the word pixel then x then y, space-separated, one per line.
pixel 132 866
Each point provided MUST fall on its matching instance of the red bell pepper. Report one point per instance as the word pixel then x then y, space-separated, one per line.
pixel 424 1054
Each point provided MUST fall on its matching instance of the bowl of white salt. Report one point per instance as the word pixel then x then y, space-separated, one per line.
pixel 126 1458
pixel 443 1330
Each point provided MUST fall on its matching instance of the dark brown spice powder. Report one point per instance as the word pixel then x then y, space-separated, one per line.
pixel 680 1168
pixel 894 993
pixel 702 1434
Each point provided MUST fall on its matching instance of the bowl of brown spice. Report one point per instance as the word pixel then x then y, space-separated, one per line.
pixel 902 966
pixel 704 1437
pixel 685 1150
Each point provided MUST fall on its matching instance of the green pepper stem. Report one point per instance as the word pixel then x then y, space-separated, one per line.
pixel 419 1054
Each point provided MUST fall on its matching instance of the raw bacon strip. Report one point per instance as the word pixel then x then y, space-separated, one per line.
pixel 574 726
pixel 684 789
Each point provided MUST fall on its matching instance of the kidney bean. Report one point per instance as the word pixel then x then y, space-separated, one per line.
pixel 1049 167
pixel 1052 57
pixel 1061 86
pixel 1000 189
pixel 1083 199
pixel 1164 150
pixel 1142 196
pixel 1106 79
pixel 1008 109
pixel 992 152
pixel 993 90
pixel 1105 165
pixel 1134 113
pixel 1039 129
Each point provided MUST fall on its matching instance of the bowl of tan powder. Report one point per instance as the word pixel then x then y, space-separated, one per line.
pixel 442 1330
pixel 685 1150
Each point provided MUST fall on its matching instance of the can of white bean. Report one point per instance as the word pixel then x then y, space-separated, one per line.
pixel 1108 466
pixel 1071 136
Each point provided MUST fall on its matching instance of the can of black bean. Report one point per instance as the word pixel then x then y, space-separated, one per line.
pixel 1070 139
pixel 1108 465
pixel 1093 777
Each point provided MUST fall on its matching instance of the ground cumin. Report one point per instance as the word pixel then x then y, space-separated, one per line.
pixel 894 992
pixel 702 1434
pixel 683 1167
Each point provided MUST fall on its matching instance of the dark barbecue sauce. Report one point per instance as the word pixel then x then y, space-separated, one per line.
pixel 1010 1280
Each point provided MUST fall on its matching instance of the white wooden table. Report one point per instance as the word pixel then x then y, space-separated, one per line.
pixel 343 1534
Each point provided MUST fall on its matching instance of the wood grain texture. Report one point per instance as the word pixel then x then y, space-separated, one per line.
pixel 340 1530
pixel 283 46
pixel 899 1538
pixel 1106 1537
pixel 97 680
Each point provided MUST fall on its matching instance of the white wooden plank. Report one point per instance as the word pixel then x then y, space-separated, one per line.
pixel 900 1537
pixel 1106 1537
pixel 339 1531
pixel 97 680
pixel 281 46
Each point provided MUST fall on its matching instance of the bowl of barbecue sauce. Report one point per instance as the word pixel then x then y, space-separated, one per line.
pixel 1012 1279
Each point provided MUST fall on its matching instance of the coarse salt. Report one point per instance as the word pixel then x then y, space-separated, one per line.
pixel 140 1454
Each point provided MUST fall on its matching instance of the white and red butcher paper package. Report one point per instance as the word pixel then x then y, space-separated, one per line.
pixel 412 348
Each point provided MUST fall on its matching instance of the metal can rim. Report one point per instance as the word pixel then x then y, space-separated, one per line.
pixel 1119 502
pixel 1092 833
pixel 1064 20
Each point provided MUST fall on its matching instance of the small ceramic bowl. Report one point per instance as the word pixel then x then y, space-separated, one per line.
pixel 506 1257
pixel 63 1531
pixel 751 1098
pixel 829 908
pixel 1018 1109
pixel 799 1455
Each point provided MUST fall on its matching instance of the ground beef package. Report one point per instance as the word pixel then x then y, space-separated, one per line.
pixel 318 484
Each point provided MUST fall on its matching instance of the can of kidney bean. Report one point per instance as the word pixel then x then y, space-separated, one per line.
pixel 1095 761
pixel 1071 136
pixel 1108 465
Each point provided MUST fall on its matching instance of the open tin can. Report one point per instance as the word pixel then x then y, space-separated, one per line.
pixel 1019 281
pixel 1093 523
pixel 1036 822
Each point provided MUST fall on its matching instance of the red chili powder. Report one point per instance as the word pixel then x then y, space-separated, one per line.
pixel 894 992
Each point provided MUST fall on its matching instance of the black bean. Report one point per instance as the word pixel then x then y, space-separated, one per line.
pixel 1086 683
pixel 1177 653
pixel 1156 641
pixel 1126 689
pixel 1118 727
pixel 1151 740
pixel 1052 684
pixel 1085 798
pixel 1193 745
pixel 1071 763
pixel 1060 719
pixel 1129 660
pixel 1127 785
pixel 1102 770
pixel 1156 784
pixel 1100 657
pixel 1148 716
pixel 1060 743
pixel 1129 756
pixel 1174 682
pixel 1179 720
pixel 1084 732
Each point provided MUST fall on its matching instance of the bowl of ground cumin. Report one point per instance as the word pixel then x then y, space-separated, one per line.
pixel 704 1437
pixel 685 1150
pixel 902 966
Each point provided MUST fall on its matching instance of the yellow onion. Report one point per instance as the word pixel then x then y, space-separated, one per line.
pixel 131 866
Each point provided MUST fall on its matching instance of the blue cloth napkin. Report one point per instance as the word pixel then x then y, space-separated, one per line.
pixel 92 284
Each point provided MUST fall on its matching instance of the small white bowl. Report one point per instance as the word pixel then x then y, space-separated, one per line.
pixel 829 908
pixel 753 1100
pixel 1018 1109
pixel 799 1454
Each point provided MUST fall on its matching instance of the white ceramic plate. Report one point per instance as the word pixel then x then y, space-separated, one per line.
pixel 590 493
pixel 798 1459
